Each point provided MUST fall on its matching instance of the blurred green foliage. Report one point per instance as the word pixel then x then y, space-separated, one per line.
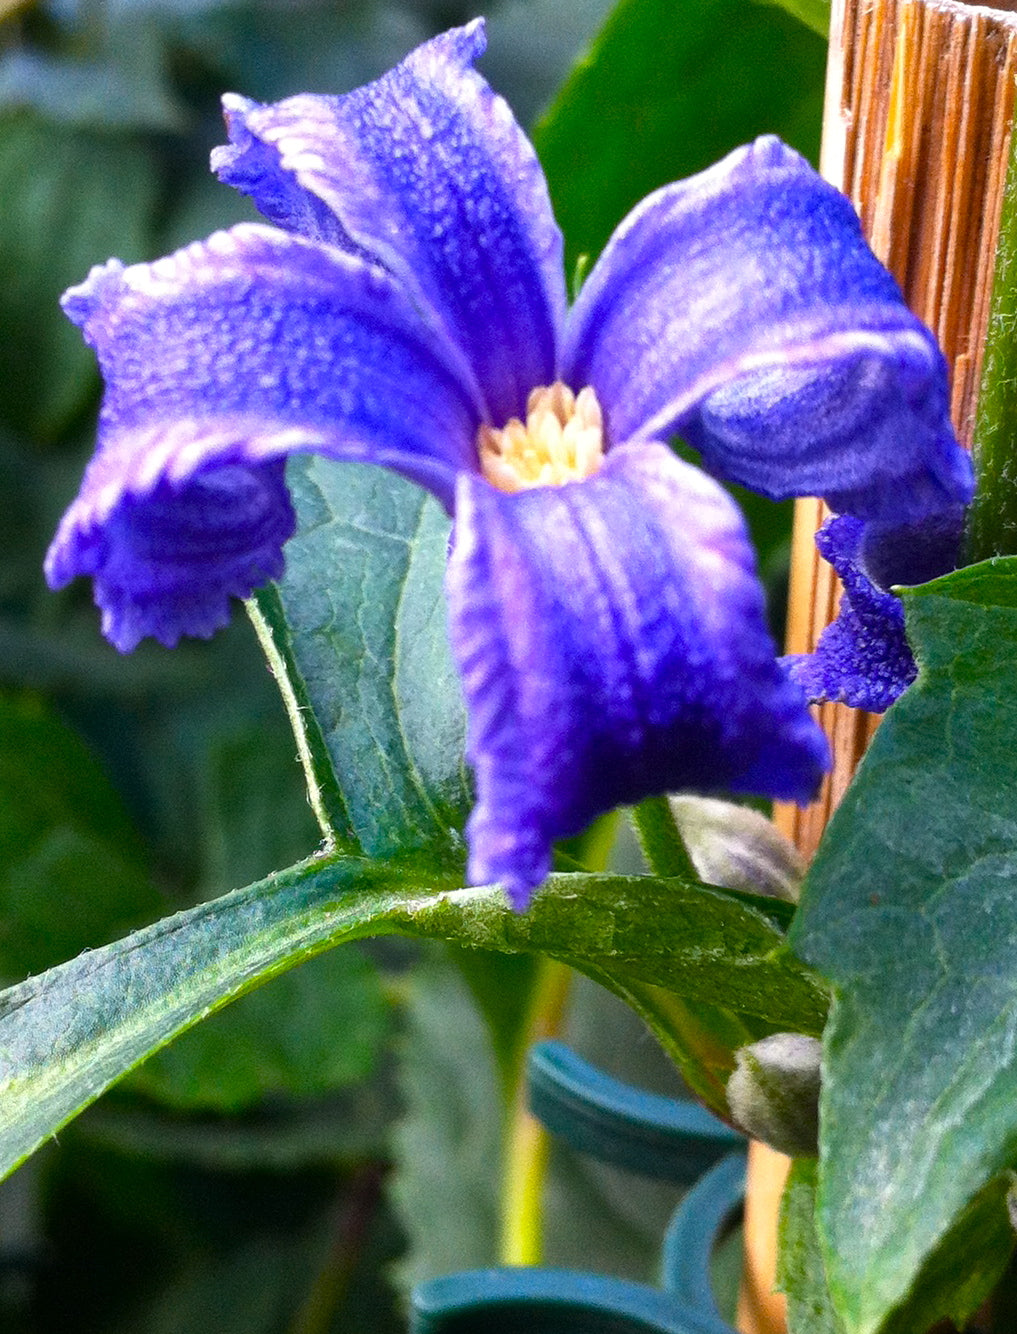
pixel 236 1181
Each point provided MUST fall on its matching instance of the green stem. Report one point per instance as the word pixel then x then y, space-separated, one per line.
pixel 661 839
pixel 992 518
pixel 526 1140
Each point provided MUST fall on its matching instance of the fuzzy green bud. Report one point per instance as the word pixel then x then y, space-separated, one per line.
pixel 773 1093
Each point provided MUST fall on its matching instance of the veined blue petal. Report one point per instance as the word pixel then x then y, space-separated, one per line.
pixel 863 658
pixel 219 361
pixel 611 639
pixel 743 309
pixel 426 169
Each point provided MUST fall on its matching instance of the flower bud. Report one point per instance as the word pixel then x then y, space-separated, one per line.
pixel 736 847
pixel 773 1093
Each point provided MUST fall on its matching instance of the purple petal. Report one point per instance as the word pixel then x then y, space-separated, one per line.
pixel 427 170
pixel 253 167
pixel 219 361
pixel 167 563
pixel 611 640
pixel 911 553
pixel 743 309
pixel 863 658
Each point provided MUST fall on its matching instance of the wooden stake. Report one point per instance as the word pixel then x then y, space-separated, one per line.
pixel 917 121
pixel 761 1309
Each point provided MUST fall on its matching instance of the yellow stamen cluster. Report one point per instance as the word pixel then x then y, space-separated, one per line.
pixel 562 440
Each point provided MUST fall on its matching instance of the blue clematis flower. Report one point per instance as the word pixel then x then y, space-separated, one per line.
pixel 863 658
pixel 407 308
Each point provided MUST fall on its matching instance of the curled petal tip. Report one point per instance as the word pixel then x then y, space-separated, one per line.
pixel 235 110
pixel 743 309
pixel 465 44
pixel 771 149
pixel 768 152
pixel 234 104
pixel 72 552
pixel 219 361
pixel 79 303
pixel 863 658
pixel 166 564
pixel 426 172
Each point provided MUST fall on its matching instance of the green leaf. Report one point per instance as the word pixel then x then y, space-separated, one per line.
pixel 815 14
pixel 800 1272
pixel 63 832
pixel 57 184
pixel 664 92
pixel 911 910
pixel 68 1034
pixel 358 629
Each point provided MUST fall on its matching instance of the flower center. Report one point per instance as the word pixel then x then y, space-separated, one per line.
pixel 562 440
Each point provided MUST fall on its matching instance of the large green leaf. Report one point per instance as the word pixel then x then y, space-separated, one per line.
pixel 911 910
pixel 358 624
pixel 668 87
pixel 68 1034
